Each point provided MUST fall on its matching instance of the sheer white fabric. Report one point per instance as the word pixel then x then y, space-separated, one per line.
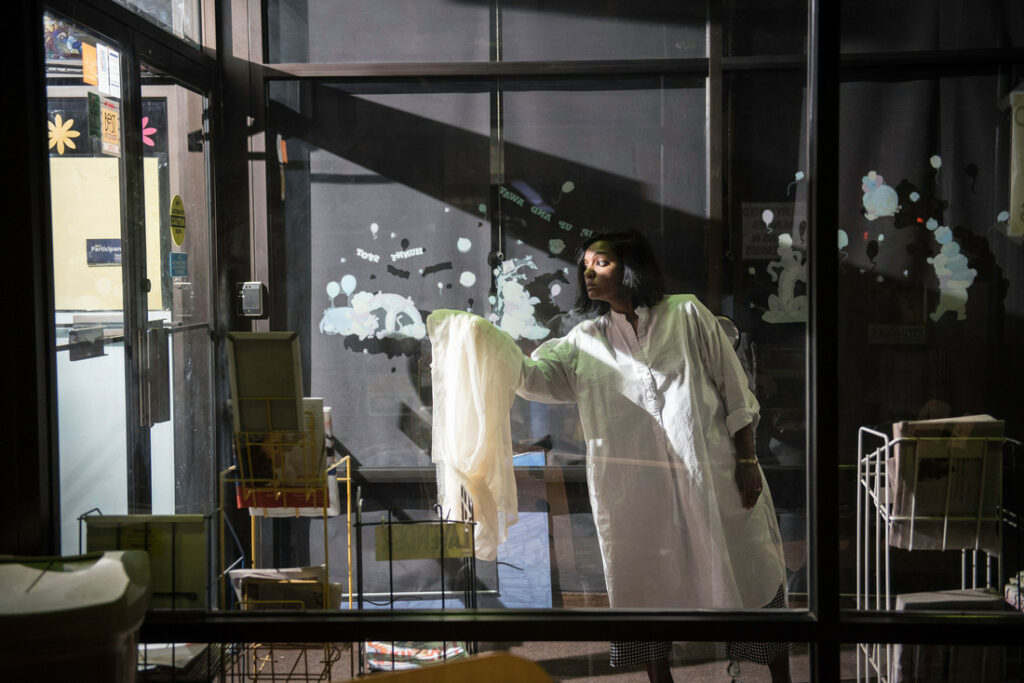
pixel 475 369
pixel 659 408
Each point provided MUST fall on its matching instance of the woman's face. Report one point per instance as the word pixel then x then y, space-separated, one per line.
pixel 602 273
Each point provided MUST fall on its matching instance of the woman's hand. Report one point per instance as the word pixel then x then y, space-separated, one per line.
pixel 748 474
pixel 748 478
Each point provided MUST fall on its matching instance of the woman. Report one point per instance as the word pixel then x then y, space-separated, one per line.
pixel 683 514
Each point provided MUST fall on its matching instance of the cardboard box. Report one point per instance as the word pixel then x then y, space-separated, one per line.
pixel 950 663
pixel 285 588
pixel 946 479
pixel 178 552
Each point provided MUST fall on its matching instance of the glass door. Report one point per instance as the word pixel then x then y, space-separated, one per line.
pixel 131 282
pixel 177 376
pixel 87 193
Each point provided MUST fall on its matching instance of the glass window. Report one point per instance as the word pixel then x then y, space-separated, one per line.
pixel 924 25
pixel 451 31
pixel 401 199
pixel 418 222
pixel 299 31
pixel 766 264
pixel 929 283
pixel 395 197
pixel 181 17
pixel 386 217
pixel 575 30
pixel 757 28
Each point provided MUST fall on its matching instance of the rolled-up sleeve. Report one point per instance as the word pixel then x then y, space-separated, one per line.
pixel 547 375
pixel 726 371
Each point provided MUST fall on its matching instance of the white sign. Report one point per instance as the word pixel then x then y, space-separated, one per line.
pixel 108 70
pixel 114 73
pixel 103 68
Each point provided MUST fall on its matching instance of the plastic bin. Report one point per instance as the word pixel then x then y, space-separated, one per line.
pixel 72 618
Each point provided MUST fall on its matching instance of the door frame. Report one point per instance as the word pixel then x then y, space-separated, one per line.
pixel 141 42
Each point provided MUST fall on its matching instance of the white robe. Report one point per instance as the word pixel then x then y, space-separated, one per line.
pixel 659 407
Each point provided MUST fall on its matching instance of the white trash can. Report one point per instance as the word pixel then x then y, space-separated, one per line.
pixel 72 618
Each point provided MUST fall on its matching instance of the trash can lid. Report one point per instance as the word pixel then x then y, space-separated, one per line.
pixel 55 598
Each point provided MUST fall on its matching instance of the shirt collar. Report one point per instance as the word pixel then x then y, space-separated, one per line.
pixel 643 313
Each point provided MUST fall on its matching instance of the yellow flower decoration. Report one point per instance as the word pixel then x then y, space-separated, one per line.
pixel 61 134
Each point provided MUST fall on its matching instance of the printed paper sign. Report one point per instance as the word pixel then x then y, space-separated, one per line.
pixel 95 124
pixel 89 64
pixel 177 220
pixel 103 68
pixel 103 252
pixel 110 127
pixel 179 264
pixel 108 70
pixel 114 73
pixel 422 541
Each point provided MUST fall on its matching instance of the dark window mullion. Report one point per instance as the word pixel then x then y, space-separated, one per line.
pixel 822 338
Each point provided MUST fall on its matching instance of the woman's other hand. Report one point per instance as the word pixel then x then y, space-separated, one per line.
pixel 748 478
pixel 748 474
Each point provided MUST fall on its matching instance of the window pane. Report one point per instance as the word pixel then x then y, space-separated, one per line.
pixel 578 29
pixel 766 261
pixel 754 27
pixel 402 199
pixel 930 319
pixel 180 17
pixel 446 31
pixel 880 26
pixel 370 31
pixel 386 218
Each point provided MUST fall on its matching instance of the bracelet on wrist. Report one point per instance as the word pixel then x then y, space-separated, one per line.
pixel 746 461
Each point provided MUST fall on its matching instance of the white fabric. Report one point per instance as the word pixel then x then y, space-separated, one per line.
pixel 658 408
pixel 475 369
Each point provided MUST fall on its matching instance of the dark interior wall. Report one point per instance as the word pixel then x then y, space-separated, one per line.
pixel 942 145
pixel 929 158
pixel 880 26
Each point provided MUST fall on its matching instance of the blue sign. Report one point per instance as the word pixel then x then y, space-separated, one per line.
pixel 179 264
pixel 103 252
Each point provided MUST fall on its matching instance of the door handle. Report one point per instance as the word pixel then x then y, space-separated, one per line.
pixel 157 381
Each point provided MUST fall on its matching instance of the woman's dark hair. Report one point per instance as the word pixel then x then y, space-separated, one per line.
pixel 641 274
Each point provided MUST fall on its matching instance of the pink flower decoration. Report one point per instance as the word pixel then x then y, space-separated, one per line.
pixel 146 132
